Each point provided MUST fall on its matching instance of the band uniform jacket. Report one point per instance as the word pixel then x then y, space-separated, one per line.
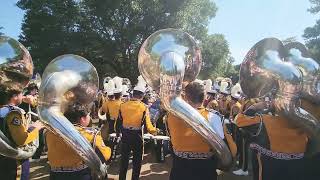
pixel 60 155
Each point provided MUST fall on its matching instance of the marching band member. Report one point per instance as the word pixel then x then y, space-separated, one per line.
pixel 236 107
pixel 133 115
pixel 101 99
pixel 224 101
pixel 110 121
pixel 247 102
pixel 192 157
pixel 125 93
pixel 96 105
pixel 241 142
pixel 32 94
pixel 278 147
pixel 312 169
pixel 211 101
pixel 15 127
pixel 65 163
pixel 112 106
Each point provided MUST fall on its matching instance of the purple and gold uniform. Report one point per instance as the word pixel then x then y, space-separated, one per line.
pixel 277 146
pixel 111 108
pixel 65 162
pixel 193 156
pixel 133 115
pixel 312 170
pixel 14 125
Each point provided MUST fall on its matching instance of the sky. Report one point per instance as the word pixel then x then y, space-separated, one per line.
pixel 10 18
pixel 243 22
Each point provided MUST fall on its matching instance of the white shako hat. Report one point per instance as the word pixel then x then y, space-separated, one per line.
pixel 118 84
pixel 125 90
pixel 223 88
pixel 141 85
pixel 207 85
pixel 236 91
pixel 109 87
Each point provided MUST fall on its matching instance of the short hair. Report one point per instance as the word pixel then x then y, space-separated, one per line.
pixel 137 94
pixel 194 92
pixel 31 87
pixel 6 95
pixel 117 95
pixel 76 111
pixel 111 96
pixel 234 99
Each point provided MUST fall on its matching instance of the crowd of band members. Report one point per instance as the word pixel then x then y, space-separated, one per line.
pixel 248 126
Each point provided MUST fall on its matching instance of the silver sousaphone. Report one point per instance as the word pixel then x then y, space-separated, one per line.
pixel 16 69
pixel 168 60
pixel 300 57
pixel 68 79
pixel 268 66
pixel 310 69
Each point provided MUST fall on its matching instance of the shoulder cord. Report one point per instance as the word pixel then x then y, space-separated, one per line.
pixel 260 126
pixel 95 135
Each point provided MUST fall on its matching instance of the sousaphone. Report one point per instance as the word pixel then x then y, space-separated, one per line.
pixel 168 60
pixel 68 79
pixel 16 69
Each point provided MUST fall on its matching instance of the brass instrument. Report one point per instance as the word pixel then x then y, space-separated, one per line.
pixel 36 80
pixel 16 69
pixel 168 60
pixel 66 80
pixel 300 57
pixel 265 69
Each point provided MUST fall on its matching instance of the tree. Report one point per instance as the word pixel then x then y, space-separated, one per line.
pixel 215 55
pixel 312 34
pixel 1 33
pixel 49 29
pixel 107 32
pixel 289 40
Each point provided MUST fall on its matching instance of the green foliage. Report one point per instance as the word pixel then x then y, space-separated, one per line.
pixel 312 34
pixel 49 29
pixel 316 6
pixel 289 40
pixel 1 33
pixel 216 57
pixel 109 33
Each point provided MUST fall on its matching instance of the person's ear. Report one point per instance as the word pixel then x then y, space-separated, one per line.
pixel 82 119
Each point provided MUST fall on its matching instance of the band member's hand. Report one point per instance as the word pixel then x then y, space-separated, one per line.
pixel 28 99
pixel 104 168
pixel 118 140
pixel 159 132
pixel 38 125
